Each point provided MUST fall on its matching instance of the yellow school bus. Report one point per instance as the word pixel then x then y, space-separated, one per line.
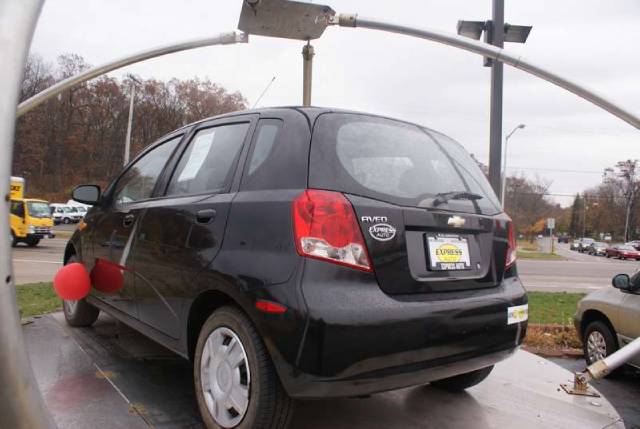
pixel 30 218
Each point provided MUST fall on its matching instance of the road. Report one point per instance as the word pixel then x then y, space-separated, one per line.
pixel 40 264
pixel 579 273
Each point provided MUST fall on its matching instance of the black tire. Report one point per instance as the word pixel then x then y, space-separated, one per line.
pixel 14 240
pixel 82 314
pixel 269 406
pixel 610 340
pixel 461 382
pixel 32 242
pixel 66 221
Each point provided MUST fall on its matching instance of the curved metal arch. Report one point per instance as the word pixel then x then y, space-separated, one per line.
pixel 498 54
pixel 221 39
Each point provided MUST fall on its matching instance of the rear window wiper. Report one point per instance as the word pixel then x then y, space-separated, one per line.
pixel 443 197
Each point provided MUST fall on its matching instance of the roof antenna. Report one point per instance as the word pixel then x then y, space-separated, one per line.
pixel 264 92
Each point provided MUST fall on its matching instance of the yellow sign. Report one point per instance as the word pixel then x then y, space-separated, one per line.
pixel 17 188
pixel 448 253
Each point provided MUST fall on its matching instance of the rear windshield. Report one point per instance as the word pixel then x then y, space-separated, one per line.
pixel 398 163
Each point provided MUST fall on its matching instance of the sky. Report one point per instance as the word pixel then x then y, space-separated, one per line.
pixel 567 141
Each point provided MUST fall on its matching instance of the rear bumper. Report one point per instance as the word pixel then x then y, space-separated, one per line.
pixel 359 340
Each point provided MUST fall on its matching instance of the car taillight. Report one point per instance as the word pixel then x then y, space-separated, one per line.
pixel 325 227
pixel 511 249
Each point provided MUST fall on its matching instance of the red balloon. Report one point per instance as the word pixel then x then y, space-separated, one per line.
pixel 72 282
pixel 107 277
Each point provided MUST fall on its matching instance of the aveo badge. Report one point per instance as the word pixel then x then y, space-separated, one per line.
pixel 382 232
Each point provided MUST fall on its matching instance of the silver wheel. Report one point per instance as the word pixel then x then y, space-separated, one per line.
pixel 70 307
pixel 596 346
pixel 225 377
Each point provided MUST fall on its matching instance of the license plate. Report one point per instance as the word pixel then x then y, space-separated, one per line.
pixel 448 253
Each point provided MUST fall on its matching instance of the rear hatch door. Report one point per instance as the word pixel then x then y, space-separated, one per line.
pixel 430 220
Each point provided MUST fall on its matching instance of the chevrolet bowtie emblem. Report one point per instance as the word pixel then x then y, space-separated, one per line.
pixel 456 221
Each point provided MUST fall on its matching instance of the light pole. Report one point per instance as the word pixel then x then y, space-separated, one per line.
pixel 127 142
pixel 496 33
pixel 504 163
pixel 584 215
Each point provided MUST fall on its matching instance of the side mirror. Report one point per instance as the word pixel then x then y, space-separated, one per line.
pixel 87 194
pixel 622 282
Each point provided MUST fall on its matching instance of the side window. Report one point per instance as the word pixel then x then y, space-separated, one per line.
pixel 257 175
pixel 207 163
pixel 140 179
pixel 17 208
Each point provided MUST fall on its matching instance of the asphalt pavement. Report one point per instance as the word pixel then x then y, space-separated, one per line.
pixel 579 273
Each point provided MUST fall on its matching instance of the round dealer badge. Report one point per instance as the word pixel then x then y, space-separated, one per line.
pixel 448 253
pixel 382 232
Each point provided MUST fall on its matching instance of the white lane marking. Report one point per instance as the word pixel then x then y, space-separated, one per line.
pixel 38 261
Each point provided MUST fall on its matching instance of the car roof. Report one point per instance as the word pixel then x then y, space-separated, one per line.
pixel 311 112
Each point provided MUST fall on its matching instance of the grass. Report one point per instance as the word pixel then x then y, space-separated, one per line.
pixel 526 246
pixel 541 256
pixel 555 308
pixel 37 298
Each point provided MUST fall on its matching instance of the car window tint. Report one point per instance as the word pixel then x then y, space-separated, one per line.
pixel 206 165
pixel 395 162
pixel 267 131
pixel 140 179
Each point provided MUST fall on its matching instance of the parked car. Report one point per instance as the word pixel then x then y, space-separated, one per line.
pixel 305 253
pixel 563 238
pixel 635 244
pixel 575 245
pixel 62 213
pixel 607 319
pixel 623 251
pixel 584 244
pixel 597 248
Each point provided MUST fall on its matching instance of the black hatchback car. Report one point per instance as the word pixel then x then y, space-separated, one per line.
pixel 300 253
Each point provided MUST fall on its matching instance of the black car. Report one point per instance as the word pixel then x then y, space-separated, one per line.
pixel 300 253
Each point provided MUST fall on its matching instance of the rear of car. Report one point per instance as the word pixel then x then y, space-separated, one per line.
pixel 410 269
pixel 598 248
pixel 584 244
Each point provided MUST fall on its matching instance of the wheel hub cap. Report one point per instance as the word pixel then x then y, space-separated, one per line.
pixel 225 377
pixel 596 346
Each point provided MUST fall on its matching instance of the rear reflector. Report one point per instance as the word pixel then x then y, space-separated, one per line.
pixel 325 228
pixel 511 249
pixel 270 307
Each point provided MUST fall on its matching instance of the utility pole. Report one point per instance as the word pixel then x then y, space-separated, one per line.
pixel 495 126
pixel 127 142
pixel 496 33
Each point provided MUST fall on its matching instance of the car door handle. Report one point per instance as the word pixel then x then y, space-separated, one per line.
pixel 205 216
pixel 127 221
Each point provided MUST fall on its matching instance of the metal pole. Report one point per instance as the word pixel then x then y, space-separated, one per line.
pixel 307 73
pixel 504 170
pixel 495 122
pixel 221 39
pixel 493 52
pixel 603 367
pixel 21 405
pixel 504 163
pixel 127 142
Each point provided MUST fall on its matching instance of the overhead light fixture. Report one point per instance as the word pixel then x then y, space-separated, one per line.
pixel 285 19
pixel 516 33
pixel 471 29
